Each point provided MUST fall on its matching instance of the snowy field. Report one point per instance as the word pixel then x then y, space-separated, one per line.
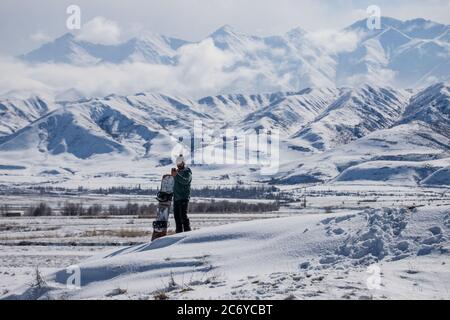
pixel 372 254
pixel 318 197
pixel 330 249
pixel 49 243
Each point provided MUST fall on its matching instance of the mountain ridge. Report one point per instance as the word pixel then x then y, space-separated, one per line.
pixel 405 54
pixel 356 130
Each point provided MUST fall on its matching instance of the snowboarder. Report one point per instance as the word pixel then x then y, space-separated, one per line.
pixel 181 195
pixel 164 198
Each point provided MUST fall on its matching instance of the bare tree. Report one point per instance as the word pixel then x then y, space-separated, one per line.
pixel 37 211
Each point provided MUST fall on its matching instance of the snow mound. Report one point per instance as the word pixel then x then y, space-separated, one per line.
pixel 373 242
pixel 390 234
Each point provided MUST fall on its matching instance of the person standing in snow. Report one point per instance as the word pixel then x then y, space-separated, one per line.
pixel 181 195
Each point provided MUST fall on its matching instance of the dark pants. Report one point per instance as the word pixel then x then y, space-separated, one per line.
pixel 180 209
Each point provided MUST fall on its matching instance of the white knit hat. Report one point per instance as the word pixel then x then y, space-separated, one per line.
pixel 180 160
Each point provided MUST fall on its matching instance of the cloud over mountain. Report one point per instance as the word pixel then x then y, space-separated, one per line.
pixel 403 54
pixel 101 31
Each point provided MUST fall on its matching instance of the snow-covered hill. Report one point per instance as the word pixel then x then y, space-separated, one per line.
pixel 373 254
pixel 431 106
pixel 403 154
pixel 290 112
pixel 18 113
pixel 405 54
pixel 114 124
pixel 371 134
pixel 354 114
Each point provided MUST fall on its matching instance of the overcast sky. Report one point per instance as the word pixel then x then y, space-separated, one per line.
pixel 25 24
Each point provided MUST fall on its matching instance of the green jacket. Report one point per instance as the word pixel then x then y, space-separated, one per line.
pixel 182 187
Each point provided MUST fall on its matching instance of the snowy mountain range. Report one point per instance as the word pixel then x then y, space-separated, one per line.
pixel 405 54
pixel 346 135
pixel 148 47
pixel 362 112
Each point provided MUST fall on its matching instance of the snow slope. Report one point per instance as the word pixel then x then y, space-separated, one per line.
pixel 354 114
pixel 309 256
pixel 289 113
pixel 404 154
pixel 431 106
pixel 18 113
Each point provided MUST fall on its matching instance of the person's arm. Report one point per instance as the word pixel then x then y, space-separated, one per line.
pixel 184 177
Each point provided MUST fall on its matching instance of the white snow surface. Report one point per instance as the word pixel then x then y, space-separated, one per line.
pixel 320 256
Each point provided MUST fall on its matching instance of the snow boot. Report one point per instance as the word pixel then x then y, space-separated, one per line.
pixel 187 225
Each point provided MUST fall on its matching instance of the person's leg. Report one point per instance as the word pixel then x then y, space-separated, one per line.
pixel 185 219
pixel 177 213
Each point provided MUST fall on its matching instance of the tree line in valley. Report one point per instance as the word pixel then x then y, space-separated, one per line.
pixel 144 210
pixel 228 192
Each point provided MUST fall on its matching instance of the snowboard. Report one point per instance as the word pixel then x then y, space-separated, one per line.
pixel 164 198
